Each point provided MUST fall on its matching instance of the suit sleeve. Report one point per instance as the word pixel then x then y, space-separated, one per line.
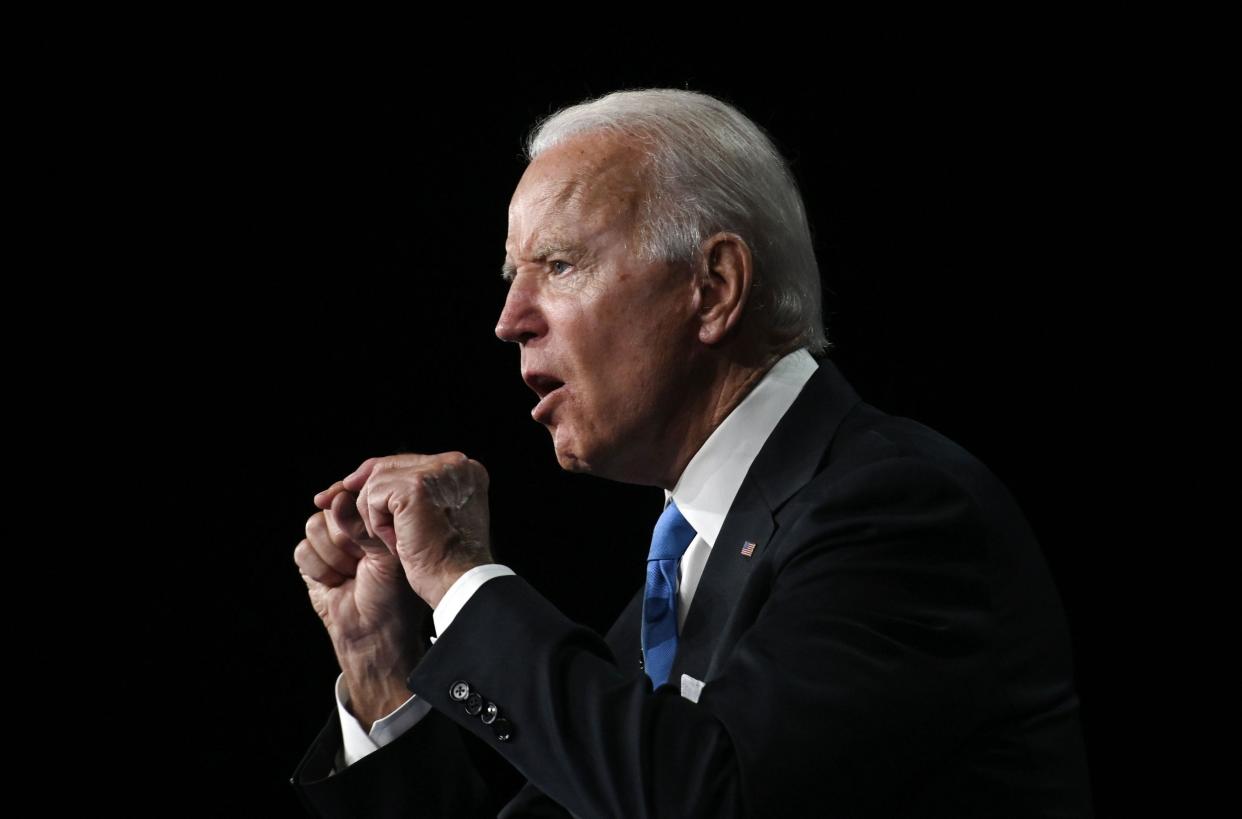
pixel 426 772
pixel 863 661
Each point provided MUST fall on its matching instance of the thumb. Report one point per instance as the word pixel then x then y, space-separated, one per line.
pixel 343 515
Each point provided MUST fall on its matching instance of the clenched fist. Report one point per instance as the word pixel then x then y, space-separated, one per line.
pixel 358 589
pixel 430 511
pixel 397 529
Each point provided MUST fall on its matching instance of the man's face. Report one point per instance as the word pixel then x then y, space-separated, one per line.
pixel 607 340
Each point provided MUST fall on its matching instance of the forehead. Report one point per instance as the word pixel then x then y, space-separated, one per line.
pixel 586 184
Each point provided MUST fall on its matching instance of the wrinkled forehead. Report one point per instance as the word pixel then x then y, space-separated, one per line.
pixel 588 182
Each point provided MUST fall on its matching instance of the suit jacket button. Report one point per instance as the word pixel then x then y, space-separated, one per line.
pixel 459 690
pixel 490 712
pixel 503 729
pixel 474 704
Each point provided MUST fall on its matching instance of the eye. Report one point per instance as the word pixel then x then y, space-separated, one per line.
pixel 559 266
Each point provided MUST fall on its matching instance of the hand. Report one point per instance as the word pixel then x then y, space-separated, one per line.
pixel 430 511
pixel 358 589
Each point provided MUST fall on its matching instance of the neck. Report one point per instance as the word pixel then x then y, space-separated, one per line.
pixel 729 381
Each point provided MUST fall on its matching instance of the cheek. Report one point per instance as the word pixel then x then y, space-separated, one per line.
pixel 604 404
pixel 623 357
pixel 622 397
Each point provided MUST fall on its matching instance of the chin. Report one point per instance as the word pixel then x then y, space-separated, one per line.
pixel 566 455
pixel 572 464
pixel 595 465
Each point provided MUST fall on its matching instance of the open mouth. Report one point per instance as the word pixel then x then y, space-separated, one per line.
pixel 547 388
pixel 543 385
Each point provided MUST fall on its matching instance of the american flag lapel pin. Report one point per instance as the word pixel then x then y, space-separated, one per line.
pixel 748 548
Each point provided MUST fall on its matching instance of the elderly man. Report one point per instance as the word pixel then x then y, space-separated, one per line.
pixel 845 613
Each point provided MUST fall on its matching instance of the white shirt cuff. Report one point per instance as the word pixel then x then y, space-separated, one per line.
pixel 357 743
pixel 459 593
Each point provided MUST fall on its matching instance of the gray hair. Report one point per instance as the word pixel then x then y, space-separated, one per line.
pixel 711 169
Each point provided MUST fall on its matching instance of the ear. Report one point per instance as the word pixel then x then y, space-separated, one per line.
pixel 724 286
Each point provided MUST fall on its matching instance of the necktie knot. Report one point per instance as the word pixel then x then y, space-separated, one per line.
pixel 672 536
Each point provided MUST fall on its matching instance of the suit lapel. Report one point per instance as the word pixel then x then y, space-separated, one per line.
pixel 788 460
pixel 725 574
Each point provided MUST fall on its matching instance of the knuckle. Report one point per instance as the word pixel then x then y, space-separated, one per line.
pixel 384 464
pixel 315 525
pixel 332 524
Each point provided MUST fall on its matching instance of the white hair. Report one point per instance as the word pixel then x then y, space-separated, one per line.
pixel 711 169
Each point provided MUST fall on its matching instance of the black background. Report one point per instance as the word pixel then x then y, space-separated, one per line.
pixel 335 234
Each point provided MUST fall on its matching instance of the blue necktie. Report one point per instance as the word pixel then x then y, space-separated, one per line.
pixel 669 542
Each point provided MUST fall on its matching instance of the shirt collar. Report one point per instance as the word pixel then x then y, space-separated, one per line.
pixel 707 486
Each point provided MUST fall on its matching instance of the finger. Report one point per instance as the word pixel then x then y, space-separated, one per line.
pixel 328 549
pixel 345 527
pixel 379 515
pixel 314 567
pixel 355 480
pixel 364 512
pixel 324 499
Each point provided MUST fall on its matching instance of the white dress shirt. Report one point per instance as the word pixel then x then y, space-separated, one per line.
pixel 703 493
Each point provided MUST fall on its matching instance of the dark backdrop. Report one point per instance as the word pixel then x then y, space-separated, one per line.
pixel 336 236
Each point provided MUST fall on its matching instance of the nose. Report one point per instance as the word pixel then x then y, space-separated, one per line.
pixel 521 319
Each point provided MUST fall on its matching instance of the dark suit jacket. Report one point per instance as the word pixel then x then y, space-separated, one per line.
pixel 893 647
